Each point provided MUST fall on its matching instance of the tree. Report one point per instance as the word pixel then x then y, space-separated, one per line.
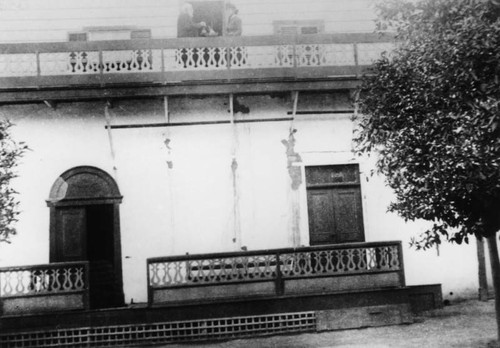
pixel 431 111
pixel 10 152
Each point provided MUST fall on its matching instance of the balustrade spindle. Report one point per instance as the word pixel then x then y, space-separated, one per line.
pixel 39 280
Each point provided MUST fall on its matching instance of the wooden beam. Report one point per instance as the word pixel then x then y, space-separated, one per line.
pixel 200 123
pixel 50 103
pixel 231 107
pixel 83 93
pixel 110 138
pixel 165 107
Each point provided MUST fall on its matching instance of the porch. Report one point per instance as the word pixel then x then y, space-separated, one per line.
pixel 225 296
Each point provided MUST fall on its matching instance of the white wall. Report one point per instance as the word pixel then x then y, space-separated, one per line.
pixel 51 20
pixel 195 206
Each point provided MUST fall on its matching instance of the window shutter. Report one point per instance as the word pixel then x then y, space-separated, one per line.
pixel 77 36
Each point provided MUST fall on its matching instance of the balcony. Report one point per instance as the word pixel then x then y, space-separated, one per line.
pixel 114 69
pixel 271 273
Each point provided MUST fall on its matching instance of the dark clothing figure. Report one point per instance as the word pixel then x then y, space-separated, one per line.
pixel 233 25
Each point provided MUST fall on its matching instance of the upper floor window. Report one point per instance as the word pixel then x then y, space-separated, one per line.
pixel 109 33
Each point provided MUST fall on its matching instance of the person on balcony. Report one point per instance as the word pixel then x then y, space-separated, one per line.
pixel 186 27
pixel 233 25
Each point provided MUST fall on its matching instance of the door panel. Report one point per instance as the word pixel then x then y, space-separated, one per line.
pixel 321 216
pixel 348 216
pixel 71 235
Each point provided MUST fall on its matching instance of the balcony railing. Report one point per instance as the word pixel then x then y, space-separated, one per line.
pixel 40 288
pixel 169 61
pixel 330 268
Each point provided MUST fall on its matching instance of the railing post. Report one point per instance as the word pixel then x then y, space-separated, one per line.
pixel 101 68
pixel 163 70
pixel 401 264
pixel 295 58
pixel 356 59
pixel 38 67
pixel 280 285
pixel 148 279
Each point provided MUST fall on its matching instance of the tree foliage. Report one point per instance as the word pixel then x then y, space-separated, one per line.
pixel 431 109
pixel 10 152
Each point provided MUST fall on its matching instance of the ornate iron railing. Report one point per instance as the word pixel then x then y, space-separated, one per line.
pixel 377 264
pixel 175 60
pixel 41 281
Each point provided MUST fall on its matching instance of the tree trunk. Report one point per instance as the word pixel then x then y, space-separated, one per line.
pixel 495 270
pixel 481 270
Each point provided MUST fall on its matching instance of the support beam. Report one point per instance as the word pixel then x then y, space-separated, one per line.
pixel 110 137
pixel 295 96
pixel 31 95
pixel 165 107
pixel 200 123
pixel 231 107
pixel 50 103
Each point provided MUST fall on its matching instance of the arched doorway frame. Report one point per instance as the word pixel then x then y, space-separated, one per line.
pixel 86 186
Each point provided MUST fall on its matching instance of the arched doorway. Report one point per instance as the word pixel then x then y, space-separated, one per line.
pixel 85 226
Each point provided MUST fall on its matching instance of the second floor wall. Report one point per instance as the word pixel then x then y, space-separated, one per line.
pixel 54 20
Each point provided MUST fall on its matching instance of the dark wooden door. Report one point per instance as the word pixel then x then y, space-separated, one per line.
pixel 334 205
pixel 71 234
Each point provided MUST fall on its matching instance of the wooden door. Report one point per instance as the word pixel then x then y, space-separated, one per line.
pixel 71 235
pixel 334 205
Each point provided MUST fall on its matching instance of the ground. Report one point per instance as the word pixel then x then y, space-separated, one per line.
pixel 464 324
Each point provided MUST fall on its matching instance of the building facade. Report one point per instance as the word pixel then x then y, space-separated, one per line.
pixel 144 145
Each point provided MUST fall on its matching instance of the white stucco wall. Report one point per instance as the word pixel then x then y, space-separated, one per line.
pixel 51 20
pixel 195 206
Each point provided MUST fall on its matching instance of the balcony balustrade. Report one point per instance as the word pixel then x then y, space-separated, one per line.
pixel 201 60
pixel 41 288
pixel 281 272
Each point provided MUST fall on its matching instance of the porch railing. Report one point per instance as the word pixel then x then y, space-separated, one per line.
pixel 38 288
pixel 329 268
pixel 162 61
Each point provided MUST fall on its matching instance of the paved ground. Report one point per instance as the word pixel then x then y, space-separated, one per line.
pixel 467 324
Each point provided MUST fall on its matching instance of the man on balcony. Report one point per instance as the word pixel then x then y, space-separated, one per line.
pixel 186 27
pixel 233 27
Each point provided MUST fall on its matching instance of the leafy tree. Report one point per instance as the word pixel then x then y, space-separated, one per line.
pixel 431 110
pixel 10 152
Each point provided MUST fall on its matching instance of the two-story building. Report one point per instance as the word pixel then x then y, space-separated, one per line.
pixel 200 171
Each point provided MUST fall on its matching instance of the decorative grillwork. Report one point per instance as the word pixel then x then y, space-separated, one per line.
pixel 131 61
pixel 197 58
pixel 69 63
pixel 42 280
pixel 340 261
pixel 18 65
pixel 212 270
pixel 168 332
